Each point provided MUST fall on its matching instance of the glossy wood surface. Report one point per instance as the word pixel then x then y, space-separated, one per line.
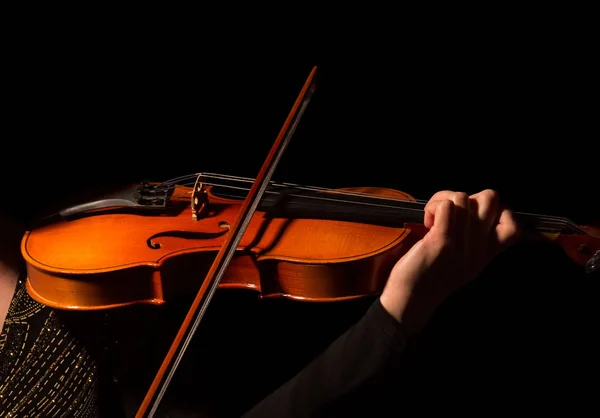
pixel 110 260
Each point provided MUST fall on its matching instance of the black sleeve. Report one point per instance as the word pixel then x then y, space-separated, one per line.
pixel 346 375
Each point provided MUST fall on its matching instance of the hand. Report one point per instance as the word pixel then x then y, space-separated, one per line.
pixel 465 234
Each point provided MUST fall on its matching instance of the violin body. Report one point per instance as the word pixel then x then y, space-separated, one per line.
pixel 109 259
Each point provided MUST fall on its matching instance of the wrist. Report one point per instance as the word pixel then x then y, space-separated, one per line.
pixel 395 300
pixel 413 308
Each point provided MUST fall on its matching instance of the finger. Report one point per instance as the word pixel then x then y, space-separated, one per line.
pixel 460 199
pixel 440 213
pixel 443 195
pixel 486 205
pixel 432 205
pixel 461 210
pixel 507 230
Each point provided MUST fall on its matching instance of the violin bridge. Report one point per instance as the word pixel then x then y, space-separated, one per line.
pixel 199 198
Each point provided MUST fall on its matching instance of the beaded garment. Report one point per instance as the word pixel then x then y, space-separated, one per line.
pixel 44 370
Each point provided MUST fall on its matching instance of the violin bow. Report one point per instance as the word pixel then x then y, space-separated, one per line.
pixel 209 286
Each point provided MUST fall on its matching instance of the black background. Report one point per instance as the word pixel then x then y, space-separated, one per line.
pixel 508 108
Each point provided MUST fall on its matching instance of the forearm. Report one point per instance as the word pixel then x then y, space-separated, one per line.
pixel 345 375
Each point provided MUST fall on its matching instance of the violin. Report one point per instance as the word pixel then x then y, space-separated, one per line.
pixel 153 241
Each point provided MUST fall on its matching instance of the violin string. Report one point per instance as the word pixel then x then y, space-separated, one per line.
pixel 173 182
pixel 315 188
pixel 321 189
pixel 557 220
pixel 554 224
pixel 340 192
pixel 552 220
pixel 549 221
pixel 544 220
pixel 176 180
pixel 316 198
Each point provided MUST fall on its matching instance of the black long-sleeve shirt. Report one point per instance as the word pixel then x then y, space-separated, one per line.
pixel 346 377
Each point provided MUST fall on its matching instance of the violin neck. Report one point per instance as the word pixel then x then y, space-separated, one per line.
pixel 375 209
pixel 351 208
pixel 533 224
pixel 386 212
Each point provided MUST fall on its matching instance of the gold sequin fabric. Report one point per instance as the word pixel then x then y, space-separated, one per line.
pixel 44 370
